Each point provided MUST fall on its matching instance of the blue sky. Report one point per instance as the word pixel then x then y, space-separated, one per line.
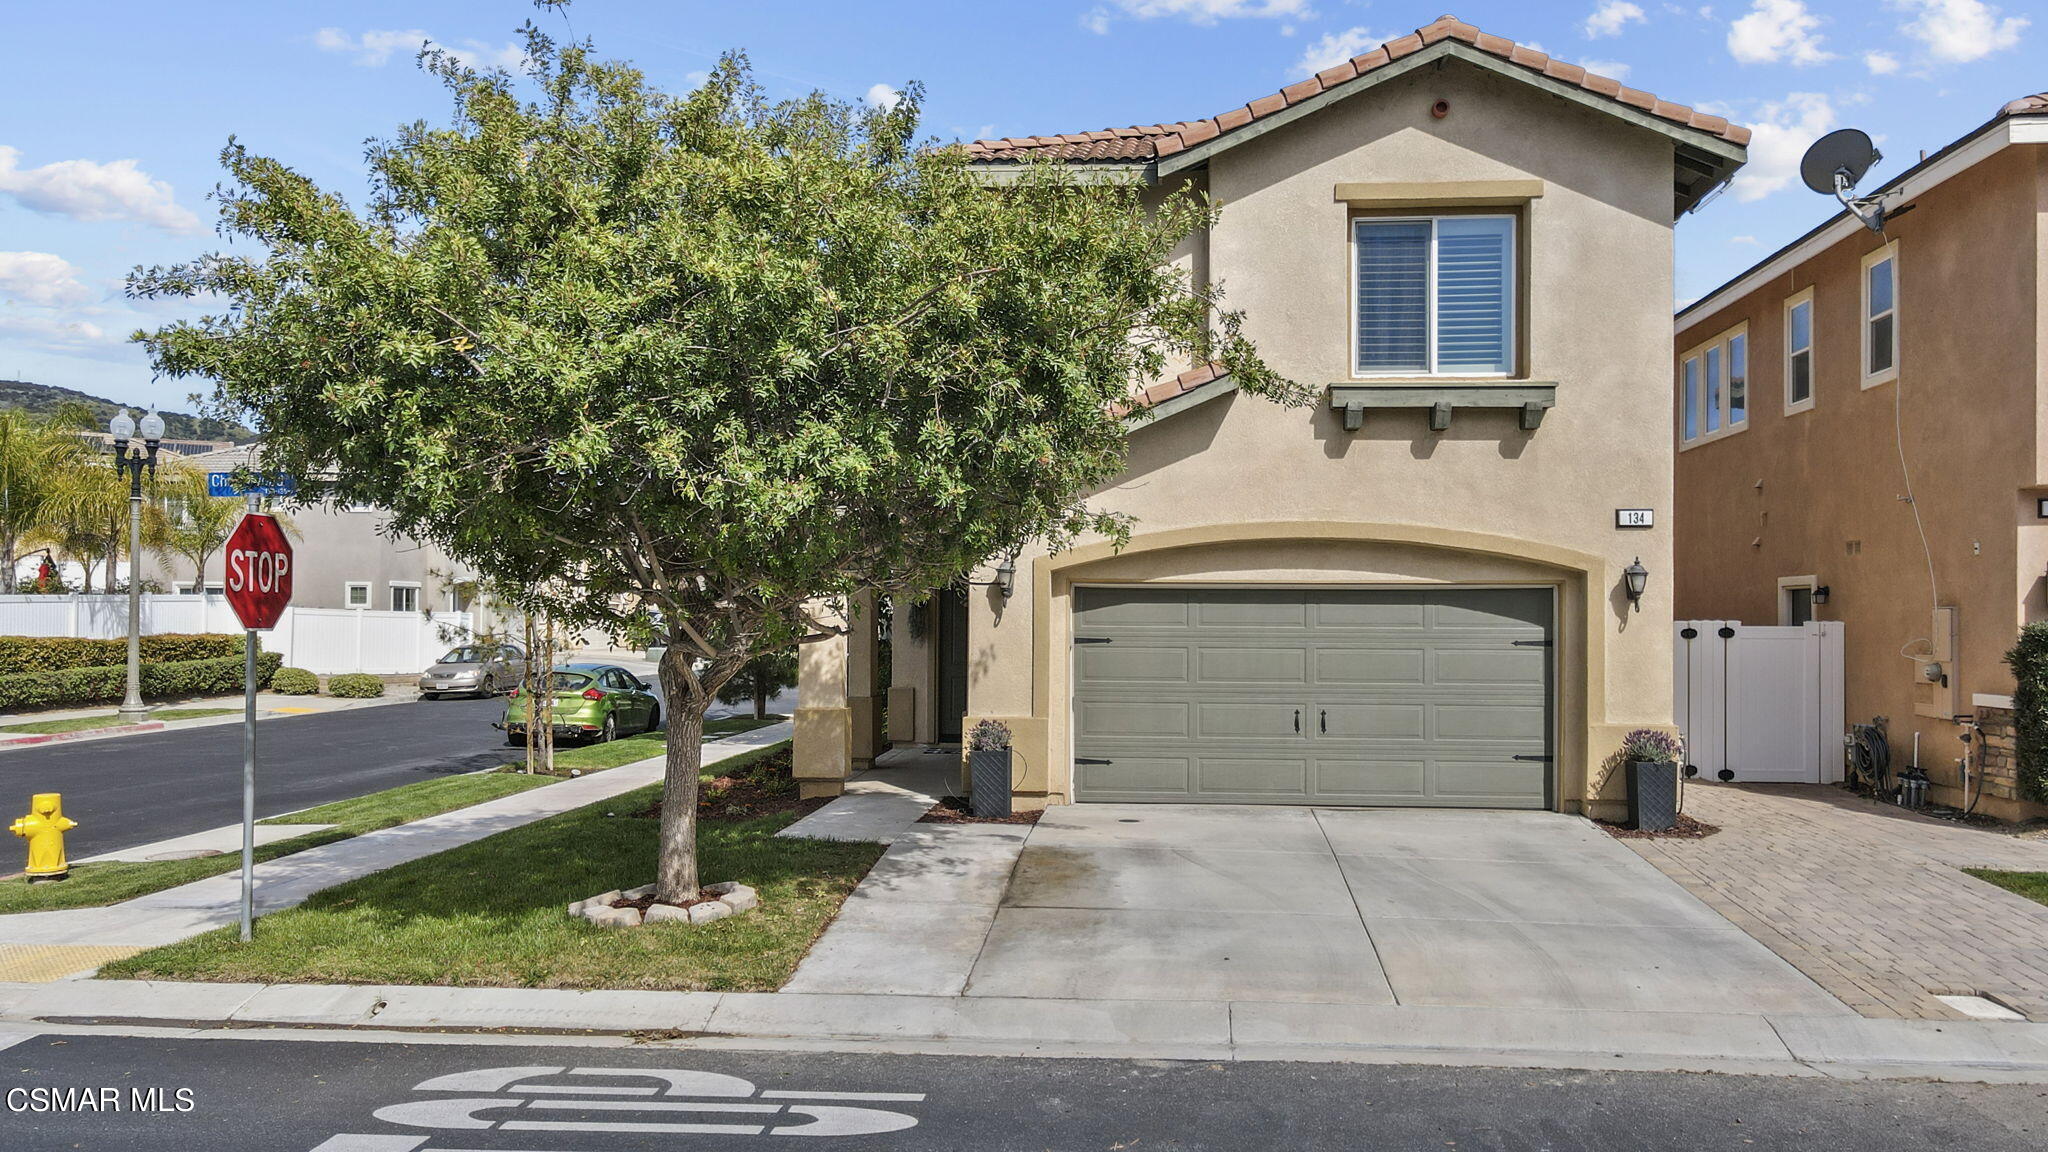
pixel 117 110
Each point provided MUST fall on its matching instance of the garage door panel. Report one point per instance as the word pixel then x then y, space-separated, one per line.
pixel 1264 666
pixel 1378 666
pixel 1157 719
pixel 1263 777
pixel 1415 697
pixel 1131 664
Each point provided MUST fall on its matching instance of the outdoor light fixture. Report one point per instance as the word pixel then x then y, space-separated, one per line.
pixel 1634 579
pixel 1006 576
pixel 1820 594
pixel 130 459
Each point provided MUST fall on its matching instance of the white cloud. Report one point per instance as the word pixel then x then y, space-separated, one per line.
pixel 1880 63
pixel 1783 131
pixel 1959 31
pixel 1611 17
pixel 883 97
pixel 86 190
pixel 40 278
pixel 46 334
pixel 1098 19
pixel 376 47
pixel 1334 48
pixel 1777 30
pixel 1750 240
pixel 1612 69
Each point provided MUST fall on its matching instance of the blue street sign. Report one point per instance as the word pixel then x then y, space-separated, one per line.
pixel 223 484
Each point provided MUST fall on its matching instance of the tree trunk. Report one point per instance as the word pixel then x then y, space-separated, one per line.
pixel 761 698
pixel 677 880
pixel 7 581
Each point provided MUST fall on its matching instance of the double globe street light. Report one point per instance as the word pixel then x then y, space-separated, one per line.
pixel 130 459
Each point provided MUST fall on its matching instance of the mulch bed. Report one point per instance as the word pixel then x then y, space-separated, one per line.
pixel 765 788
pixel 1687 828
pixel 953 810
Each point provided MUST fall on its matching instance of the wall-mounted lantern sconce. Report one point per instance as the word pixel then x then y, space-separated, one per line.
pixel 1005 582
pixel 1820 594
pixel 1634 579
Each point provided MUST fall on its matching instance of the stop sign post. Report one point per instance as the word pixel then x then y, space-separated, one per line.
pixel 259 587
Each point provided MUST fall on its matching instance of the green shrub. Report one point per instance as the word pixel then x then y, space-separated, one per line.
pixel 295 682
pixel 2029 661
pixel 60 653
pixel 72 686
pixel 355 686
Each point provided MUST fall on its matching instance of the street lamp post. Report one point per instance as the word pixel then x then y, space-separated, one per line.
pixel 130 458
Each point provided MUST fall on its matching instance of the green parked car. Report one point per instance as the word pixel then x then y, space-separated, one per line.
pixel 592 702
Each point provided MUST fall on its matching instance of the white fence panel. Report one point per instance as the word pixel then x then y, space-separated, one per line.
pixel 324 640
pixel 1760 703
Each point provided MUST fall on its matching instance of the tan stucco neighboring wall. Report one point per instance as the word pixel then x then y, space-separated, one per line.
pixel 1820 493
pixel 1243 490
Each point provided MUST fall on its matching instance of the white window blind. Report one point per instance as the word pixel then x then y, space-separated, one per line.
pixel 1436 296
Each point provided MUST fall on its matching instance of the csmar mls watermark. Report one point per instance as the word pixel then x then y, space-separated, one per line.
pixel 82 1099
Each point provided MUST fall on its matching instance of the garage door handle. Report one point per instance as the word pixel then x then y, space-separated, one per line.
pixel 1297 720
pixel 1323 720
pixel 1538 759
pixel 1088 760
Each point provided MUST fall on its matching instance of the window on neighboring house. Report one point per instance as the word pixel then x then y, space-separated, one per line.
pixel 177 511
pixel 1880 316
pixel 1799 353
pixel 186 588
pixel 1795 600
pixel 1435 295
pixel 356 594
pixel 405 597
pixel 1714 381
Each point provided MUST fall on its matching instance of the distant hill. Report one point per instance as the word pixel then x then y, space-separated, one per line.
pixel 43 398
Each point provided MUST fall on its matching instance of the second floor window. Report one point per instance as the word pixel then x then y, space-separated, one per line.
pixel 1435 295
pixel 1880 317
pixel 1799 352
pixel 1714 386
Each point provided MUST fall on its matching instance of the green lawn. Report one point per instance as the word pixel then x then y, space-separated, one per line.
pixel 627 749
pixel 113 881
pixel 492 913
pixel 111 719
pixel 2032 885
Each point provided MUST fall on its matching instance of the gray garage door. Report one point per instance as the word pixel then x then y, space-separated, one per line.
pixel 1431 697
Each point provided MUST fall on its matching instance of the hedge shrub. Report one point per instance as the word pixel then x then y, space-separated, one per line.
pixel 295 682
pixel 99 685
pixel 355 686
pixel 2029 661
pixel 60 653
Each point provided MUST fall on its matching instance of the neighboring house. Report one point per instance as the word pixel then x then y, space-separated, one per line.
pixel 1412 592
pixel 1819 388
pixel 343 557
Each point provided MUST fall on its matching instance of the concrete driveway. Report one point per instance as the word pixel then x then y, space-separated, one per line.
pixel 1330 906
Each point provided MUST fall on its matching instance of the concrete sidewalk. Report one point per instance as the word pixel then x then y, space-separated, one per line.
pixel 176 913
pixel 1843 1046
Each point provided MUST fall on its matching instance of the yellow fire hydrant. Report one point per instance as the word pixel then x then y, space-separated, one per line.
pixel 44 829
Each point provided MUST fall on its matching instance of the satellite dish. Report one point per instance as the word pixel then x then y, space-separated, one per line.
pixel 1836 163
pixel 1847 151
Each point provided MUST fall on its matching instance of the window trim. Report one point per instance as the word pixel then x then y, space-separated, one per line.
pixel 1514 280
pixel 1794 407
pixel 1785 586
pixel 1698 353
pixel 347 601
pixel 1872 258
pixel 393 586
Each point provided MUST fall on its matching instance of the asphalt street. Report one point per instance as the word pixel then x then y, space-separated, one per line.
pixel 133 790
pixel 268 1095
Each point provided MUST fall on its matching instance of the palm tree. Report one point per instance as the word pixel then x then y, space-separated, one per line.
pixel 85 514
pixel 34 452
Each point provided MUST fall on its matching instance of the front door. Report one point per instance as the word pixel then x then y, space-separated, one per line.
pixel 952 642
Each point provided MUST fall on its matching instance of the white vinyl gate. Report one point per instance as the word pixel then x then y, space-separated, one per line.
pixel 1759 703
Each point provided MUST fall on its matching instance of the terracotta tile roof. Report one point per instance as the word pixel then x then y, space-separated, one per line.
pixel 2028 105
pixel 1187 381
pixel 1152 141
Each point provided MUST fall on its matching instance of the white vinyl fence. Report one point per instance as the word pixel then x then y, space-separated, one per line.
pixel 322 640
pixel 1760 703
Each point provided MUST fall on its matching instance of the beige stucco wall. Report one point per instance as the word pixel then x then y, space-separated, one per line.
pixel 1819 493
pixel 1394 503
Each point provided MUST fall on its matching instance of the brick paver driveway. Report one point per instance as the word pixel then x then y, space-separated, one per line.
pixel 1866 899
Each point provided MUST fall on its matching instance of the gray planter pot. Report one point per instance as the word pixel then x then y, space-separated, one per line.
pixel 988 781
pixel 1652 795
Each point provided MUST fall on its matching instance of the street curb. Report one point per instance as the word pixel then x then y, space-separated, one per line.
pixel 42 738
pixel 36 738
pixel 1838 1047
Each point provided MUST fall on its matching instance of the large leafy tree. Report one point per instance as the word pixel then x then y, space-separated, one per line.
pixel 721 357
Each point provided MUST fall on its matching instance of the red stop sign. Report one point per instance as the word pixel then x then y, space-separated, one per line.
pixel 259 571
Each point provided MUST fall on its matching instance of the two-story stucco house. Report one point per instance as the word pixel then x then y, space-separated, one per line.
pixel 1860 423
pixel 1411 593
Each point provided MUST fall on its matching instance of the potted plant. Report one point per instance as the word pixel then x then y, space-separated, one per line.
pixel 1652 758
pixel 988 768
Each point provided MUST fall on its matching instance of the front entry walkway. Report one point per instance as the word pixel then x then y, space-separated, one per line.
pixel 1868 899
pixel 1506 910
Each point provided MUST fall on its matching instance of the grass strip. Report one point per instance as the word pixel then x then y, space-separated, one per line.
pixel 2032 885
pixel 110 720
pixel 492 913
